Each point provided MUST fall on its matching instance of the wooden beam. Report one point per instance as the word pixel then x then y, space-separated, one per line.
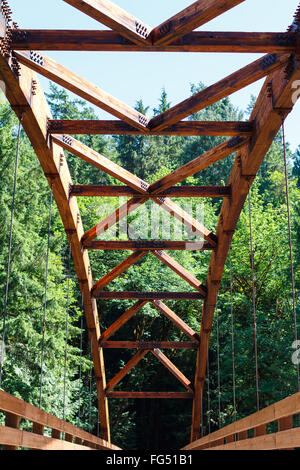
pixel 279 410
pixel 108 295
pixel 81 87
pixel 183 128
pixel 285 423
pixel 118 270
pixel 150 395
pixel 285 440
pixel 122 320
pixel 195 15
pixel 27 440
pixel 267 114
pixel 232 83
pixel 115 18
pixel 109 221
pixel 176 191
pixel 41 419
pixel 56 434
pixel 126 369
pixel 147 245
pixel 38 429
pixel 176 320
pixel 173 369
pixel 102 163
pixel 11 421
pixel 198 164
pixel 149 345
pixel 89 155
pixel 186 219
pixel 181 271
pixel 197 41
pixel 35 115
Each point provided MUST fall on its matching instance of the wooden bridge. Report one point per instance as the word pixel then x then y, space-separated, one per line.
pixel 22 57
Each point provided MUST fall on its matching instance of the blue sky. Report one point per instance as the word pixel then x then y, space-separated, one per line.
pixel 131 76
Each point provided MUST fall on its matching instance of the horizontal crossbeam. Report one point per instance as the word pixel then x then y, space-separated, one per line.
pixel 108 295
pixel 124 191
pixel 149 345
pixel 150 395
pixel 183 128
pixel 147 245
pixel 197 41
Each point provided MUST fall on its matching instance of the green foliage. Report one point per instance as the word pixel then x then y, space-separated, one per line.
pixel 168 425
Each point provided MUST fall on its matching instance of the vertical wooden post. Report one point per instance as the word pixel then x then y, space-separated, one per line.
pixel 242 435
pixel 69 437
pixel 260 431
pixel 38 429
pixel 78 441
pixel 11 421
pixel 284 424
pixel 56 434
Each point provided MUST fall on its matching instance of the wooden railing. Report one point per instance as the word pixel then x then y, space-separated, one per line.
pixel 64 436
pixel 236 435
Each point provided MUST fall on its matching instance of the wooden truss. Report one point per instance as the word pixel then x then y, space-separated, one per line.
pixel 21 59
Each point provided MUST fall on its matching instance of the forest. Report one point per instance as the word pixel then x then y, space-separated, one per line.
pixel 68 384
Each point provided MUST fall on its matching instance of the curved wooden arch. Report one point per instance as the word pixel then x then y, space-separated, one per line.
pixel 250 141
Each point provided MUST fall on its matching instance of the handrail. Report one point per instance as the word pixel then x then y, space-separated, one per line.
pixel 13 406
pixel 277 412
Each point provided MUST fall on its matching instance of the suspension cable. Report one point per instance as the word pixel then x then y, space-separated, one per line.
pixel 202 409
pixel 10 249
pixel 208 391
pixel 254 301
pixel 67 332
pixel 290 242
pixel 90 397
pixel 219 369
pixel 232 339
pixel 45 295
pixel 80 368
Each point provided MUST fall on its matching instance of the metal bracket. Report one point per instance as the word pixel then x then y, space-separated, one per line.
pixel 165 28
pixel 285 39
pixel 143 120
pixel 268 61
pixel 235 141
pixel 142 30
pixel 144 186
pixel 67 140
pixel 37 58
